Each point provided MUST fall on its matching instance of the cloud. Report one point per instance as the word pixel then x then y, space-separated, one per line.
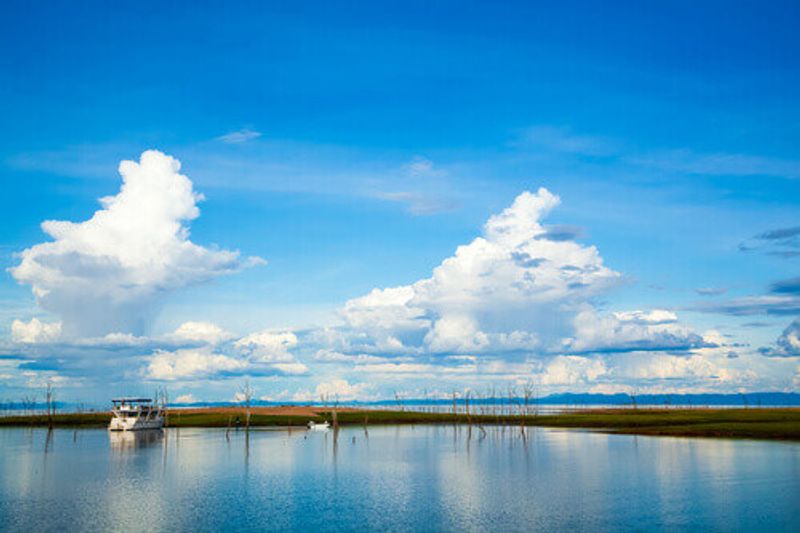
pixel 291 369
pixel 282 395
pixel 260 354
pixel 205 332
pixel 786 286
pixel 192 363
pixel 186 398
pixel 754 305
pixel 656 316
pixel 334 390
pixel 664 367
pixel 552 141
pixel 686 161
pixel 572 370
pixel 331 356
pixel 108 273
pixel 656 330
pixel 35 332
pixel 562 233
pixel 419 203
pixel 563 140
pixel 241 136
pixel 269 346
pixel 509 290
pixel 422 167
pixel 781 242
pixel 788 344
pixel 420 187
pixel 711 291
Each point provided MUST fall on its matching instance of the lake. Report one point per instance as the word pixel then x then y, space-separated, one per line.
pixel 398 478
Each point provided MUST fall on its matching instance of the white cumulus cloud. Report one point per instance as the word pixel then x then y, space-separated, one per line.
pixel 35 331
pixel 334 390
pixel 514 288
pixel 258 354
pixel 629 331
pixel 201 332
pixel 192 364
pixel 269 346
pixel 186 398
pixel 108 273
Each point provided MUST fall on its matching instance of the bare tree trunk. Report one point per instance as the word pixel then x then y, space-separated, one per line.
pixel 247 393
pixel 50 404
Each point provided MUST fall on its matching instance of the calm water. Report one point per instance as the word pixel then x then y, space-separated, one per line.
pixel 395 478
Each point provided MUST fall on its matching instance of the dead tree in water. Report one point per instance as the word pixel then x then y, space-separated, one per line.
pixel 28 404
pixel 527 392
pixel 246 395
pixel 333 414
pixel 50 404
pixel 162 401
pixel 466 406
pixel 398 401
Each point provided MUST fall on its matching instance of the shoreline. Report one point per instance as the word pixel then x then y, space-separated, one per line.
pixel 758 423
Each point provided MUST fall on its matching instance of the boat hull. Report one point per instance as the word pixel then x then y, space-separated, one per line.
pixel 121 424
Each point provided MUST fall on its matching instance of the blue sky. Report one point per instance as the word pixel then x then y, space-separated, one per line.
pixel 355 146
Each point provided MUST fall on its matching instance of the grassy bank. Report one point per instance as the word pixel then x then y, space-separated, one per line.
pixel 735 423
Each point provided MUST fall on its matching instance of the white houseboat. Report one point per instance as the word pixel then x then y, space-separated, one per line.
pixel 132 414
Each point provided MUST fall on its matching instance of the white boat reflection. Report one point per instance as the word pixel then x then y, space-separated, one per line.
pixel 129 440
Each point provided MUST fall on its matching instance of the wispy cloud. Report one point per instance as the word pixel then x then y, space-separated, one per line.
pixel 781 242
pixel 754 305
pixel 711 291
pixel 240 136
pixel 786 286
pixel 562 139
pixel 555 140
pixel 684 161
pixel 419 203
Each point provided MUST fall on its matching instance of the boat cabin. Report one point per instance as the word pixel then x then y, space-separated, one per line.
pixel 133 407
pixel 135 413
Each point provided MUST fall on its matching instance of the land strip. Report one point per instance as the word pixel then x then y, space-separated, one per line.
pixel 760 423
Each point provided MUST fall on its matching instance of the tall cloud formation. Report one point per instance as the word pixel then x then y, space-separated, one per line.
pixel 516 288
pixel 108 273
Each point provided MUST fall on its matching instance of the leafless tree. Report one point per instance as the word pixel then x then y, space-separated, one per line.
pixel 28 404
pixel 162 400
pixel 527 394
pixel 247 392
pixel 398 401
pixel 50 403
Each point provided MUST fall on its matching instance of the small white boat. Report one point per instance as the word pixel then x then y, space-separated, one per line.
pixel 321 426
pixel 133 414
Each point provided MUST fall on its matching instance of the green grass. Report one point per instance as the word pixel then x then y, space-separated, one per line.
pixel 733 423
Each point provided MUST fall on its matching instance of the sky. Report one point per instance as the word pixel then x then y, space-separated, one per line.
pixel 367 200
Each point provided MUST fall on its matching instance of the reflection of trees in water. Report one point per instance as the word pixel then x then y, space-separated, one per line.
pixel 129 440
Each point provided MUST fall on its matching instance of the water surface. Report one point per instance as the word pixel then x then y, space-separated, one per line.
pixel 422 478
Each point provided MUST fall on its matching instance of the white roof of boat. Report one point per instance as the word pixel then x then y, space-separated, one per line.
pixel 132 400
